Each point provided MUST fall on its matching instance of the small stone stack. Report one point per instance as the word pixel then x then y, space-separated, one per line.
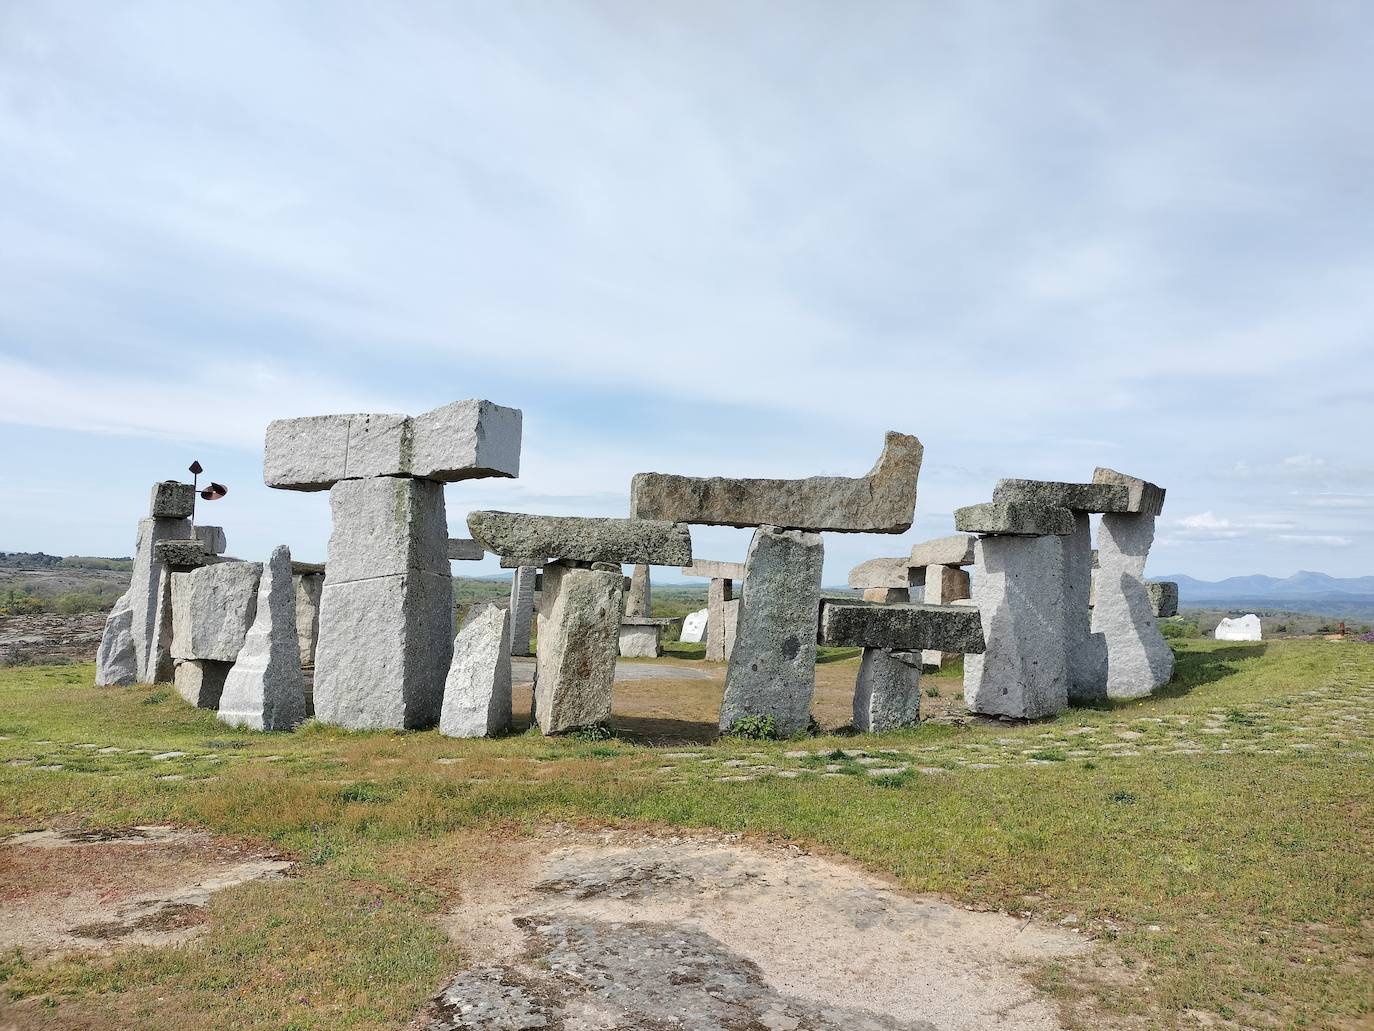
pixel 639 599
pixel 1018 587
pixel 722 607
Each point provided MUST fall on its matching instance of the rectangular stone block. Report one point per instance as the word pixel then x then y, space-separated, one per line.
pixel 201 681
pixel 579 633
pixel 172 500
pixel 887 691
pixel 881 502
pixel 465 549
pixel 1077 497
pixel 718 595
pixel 307 453
pixel 212 609
pixel 639 598
pixel 1164 597
pixel 212 539
pixel 887 595
pixel 1143 496
pixel 467 440
pixel 150 626
pixel 583 539
pixel 881 572
pixel 714 570
pixel 477 693
pixel 847 624
pixel 955 550
pixel 522 590
pixel 639 640
pixel 1014 518
pixel 387 526
pixel 265 689
pixel 309 588
pixel 772 670
pixel 730 620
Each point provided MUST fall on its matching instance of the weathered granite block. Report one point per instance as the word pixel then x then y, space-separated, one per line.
pixel 639 600
pixel 1019 590
pixel 212 539
pixel 641 637
pixel 713 569
pixel 115 662
pixel 212 609
pixel 465 549
pixel 467 440
pixel 1139 659
pixel 887 595
pixel 694 626
pixel 578 641
pixel 1077 497
pixel 152 635
pixel 849 624
pixel 387 526
pixel 1241 628
pixel 1164 597
pixel 1014 518
pixel 309 588
pixel 183 555
pixel 477 693
pixel 718 595
pixel 1086 652
pixel 1143 496
pixel 582 539
pixel 265 690
pixel 307 453
pixel 887 692
pixel 955 550
pixel 522 589
pixel 772 671
pixel 881 502
pixel 172 500
pixel 201 681
pixel 881 572
pixel 944 585
pixel 731 620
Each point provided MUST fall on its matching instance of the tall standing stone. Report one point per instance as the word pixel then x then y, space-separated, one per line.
pixel 147 597
pixel 116 663
pixel 309 589
pixel 719 594
pixel 477 692
pixel 639 602
pixel 266 689
pixel 772 671
pixel 1086 650
pixel 579 639
pixel 521 608
pixel 1139 659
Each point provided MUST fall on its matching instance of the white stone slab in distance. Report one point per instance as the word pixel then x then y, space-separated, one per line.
pixel 579 631
pixel 1139 659
pixel 1077 497
pixel 115 663
pixel 477 693
pixel 719 594
pixel 266 689
pixel 309 590
pixel 172 500
pixel 1241 628
pixel 694 626
pixel 887 691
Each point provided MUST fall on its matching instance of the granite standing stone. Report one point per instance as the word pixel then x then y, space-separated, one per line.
pixel 309 590
pixel 521 608
pixel 212 609
pixel 477 693
pixel 1085 650
pixel 1241 628
pixel 887 692
pixel 639 602
pixel 1139 659
pixel 731 612
pixel 579 631
pixel 153 635
pixel 116 663
pixel 772 670
pixel 266 689
pixel 1018 588
pixel 201 681
pixel 641 637
pixel 884 501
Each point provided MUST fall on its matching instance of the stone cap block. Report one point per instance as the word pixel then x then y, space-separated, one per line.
pixel 1164 597
pixel 212 537
pixel 649 620
pixel 1014 518
pixel 884 501
pixel 183 554
pixel 307 568
pixel 582 539
pixel 954 550
pixel 714 570
pixel 172 500
pixel 465 549
pixel 1144 497
pixel 880 572
pixel 460 441
pixel 911 627
pixel 1078 497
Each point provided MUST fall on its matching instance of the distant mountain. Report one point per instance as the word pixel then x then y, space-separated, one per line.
pixel 1301 585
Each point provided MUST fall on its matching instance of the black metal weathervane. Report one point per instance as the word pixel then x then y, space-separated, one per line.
pixel 213 492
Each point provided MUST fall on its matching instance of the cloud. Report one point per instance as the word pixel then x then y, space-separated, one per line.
pixel 1316 538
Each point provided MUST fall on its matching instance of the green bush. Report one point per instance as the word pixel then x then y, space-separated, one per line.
pixel 756 728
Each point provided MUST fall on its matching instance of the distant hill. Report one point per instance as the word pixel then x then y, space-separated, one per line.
pixel 1305 584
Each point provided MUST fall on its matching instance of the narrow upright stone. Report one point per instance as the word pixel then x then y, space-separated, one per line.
pixel 477 693
pixel 1086 652
pixel 266 690
pixel 944 585
pixel 772 671
pixel 639 602
pixel 1164 595
pixel 116 664
pixel 887 692
pixel 521 608
pixel 719 594
pixel 309 589
pixel 152 634
pixel 1139 659
pixel 579 634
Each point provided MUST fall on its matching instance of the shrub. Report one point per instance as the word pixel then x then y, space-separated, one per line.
pixel 756 728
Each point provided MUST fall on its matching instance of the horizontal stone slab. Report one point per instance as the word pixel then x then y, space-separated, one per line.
pixel 460 441
pixel 954 550
pixel 649 620
pixel 1078 497
pixel 306 568
pixel 713 570
pixel 911 627
pixel 884 501
pixel 582 539
pixel 172 500
pixel 183 554
pixel 1015 518
pixel 465 549
pixel 1143 497
pixel 880 572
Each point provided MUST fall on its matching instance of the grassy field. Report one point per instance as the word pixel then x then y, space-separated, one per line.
pixel 1219 835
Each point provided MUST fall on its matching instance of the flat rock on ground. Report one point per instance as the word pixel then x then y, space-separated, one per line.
pixel 618 929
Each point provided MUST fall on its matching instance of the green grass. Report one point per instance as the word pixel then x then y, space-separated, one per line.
pixel 1232 871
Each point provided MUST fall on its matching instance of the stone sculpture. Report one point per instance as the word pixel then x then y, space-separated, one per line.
pixel 265 689
pixel 477 693
pixel 1240 628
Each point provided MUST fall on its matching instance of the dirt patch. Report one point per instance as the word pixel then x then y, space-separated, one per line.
pixel 64 890
pixel 602 930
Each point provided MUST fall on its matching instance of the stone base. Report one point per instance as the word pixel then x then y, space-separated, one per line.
pixel 201 681
pixel 641 641
pixel 578 643
pixel 887 694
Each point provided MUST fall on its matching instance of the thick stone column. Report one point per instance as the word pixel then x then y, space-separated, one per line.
pixel 772 671
pixel 1139 659
pixel 521 608
pixel 579 635
pixel 386 609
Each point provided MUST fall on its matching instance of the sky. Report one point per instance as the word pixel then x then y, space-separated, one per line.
pixel 705 238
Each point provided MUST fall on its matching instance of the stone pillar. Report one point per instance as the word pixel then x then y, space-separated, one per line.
pixel 944 585
pixel 772 671
pixel 1018 588
pixel 1139 659
pixel 731 612
pixel 171 507
pixel 579 633
pixel 639 602
pixel 887 693
pixel 521 608
pixel 309 588
pixel 386 609
pixel 718 597
pixel 265 690
pixel 1087 651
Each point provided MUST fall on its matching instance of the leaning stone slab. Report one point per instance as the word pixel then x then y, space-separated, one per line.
pixel 212 610
pixel 387 526
pixel 881 502
pixel 881 572
pixel 1139 659
pixel 477 693
pixel 201 681
pixel 1164 597
pixel 712 569
pixel 266 689
pixel 887 595
pixel 465 549
pixel 583 539
pixel 772 669
pixel 115 662
pixel 309 589
pixel 952 628
pixel 1015 518
pixel 578 643
pixel 1143 497
pixel 955 550
pixel 172 500
pixel 887 692
pixel 1077 497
